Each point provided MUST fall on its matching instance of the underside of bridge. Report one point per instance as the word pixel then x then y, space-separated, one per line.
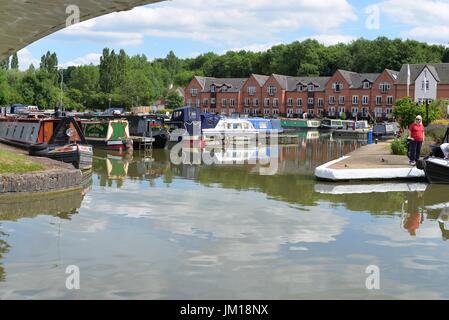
pixel 23 22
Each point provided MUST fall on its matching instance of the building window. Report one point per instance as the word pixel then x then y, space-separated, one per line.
pixel 337 86
pixel 205 102
pixel 365 100
pixel 311 88
pixel 355 100
pixel 213 101
pixel 365 112
pixel 341 110
pixel 355 110
pixel 255 102
pixel 247 102
pixel 378 112
pixel 246 110
pixel 341 100
pixel 390 100
pixel 290 102
pixel 299 111
pixel 275 111
pixel 275 103
pixel 300 87
pixel 266 102
pixel 379 100
pixel 232 102
pixel 205 110
pixel 251 91
pixel 384 87
pixel 389 111
pixel 266 111
pixel 299 102
pixel 272 90
pixel 331 99
pixel 194 92
pixel 366 85
pixel 310 101
pixel 289 111
pixel 223 102
pixel 198 103
pixel 255 111
pixel 426 85
pixel 189 102
pixel 320 102
pixel 332 111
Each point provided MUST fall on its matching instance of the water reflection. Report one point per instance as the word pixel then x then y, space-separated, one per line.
pixel 151 229
pixel 15 208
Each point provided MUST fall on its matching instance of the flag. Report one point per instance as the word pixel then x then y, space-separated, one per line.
pixel 408 80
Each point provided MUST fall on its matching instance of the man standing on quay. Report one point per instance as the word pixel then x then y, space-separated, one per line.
pixel 416 140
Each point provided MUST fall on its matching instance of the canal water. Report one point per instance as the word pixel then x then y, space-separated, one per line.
pixel 150 229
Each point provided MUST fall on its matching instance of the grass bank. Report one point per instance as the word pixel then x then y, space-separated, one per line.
pixel 17 163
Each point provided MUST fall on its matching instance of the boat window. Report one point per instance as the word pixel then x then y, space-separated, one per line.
pixel 14 132
pixel 21 132
pixel 32 131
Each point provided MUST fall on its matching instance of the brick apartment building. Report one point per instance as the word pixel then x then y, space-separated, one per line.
pixel 364 95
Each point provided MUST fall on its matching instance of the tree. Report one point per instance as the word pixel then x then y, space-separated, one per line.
pixel 406 110
pixel 15 62
pixel 174 100
pixel 4 64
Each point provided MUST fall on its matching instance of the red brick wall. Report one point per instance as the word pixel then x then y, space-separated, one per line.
pixel 251 82
pixel 280 95
pixel 193 84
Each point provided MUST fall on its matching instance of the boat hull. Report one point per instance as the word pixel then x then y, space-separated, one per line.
pixel 79 156
pixel 437 170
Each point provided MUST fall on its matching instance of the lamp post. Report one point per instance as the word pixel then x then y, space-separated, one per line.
pixel 62 91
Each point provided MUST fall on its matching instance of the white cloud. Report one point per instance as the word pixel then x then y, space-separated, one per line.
pixel 231 23
pixel 90 58
pixel 26 58
pixel 426 20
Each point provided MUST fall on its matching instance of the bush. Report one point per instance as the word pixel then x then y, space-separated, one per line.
pixel 399 147
pixel 435 134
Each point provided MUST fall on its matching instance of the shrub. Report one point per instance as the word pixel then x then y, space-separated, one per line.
pixel 436 134
pixel 399 147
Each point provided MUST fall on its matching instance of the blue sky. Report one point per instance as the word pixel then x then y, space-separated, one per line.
pixel 192 27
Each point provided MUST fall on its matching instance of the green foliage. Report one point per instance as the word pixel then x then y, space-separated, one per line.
pixel 436 133
pixel 174 100
pixel 14 62
pixel 406 110
pixel 399 147
pixel 343 116
pixel 128 81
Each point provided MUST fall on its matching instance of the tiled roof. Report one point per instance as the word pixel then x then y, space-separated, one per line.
pixel 319 82
pixel 439 70
pixel 233 84
pixel 356 80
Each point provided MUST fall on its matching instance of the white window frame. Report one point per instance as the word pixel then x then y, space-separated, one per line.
pixel 310 101
pixel 255 102
pixel 252 90
pixel 355 100
pixel 365 100
pixel 275 103
pixel 266 102
pixel 194 92
pixel 290 102
pixel 390 100
pixel 331 99
pixel 272 90
pixel 366 85
pixel 224 102
pixel 232 102
pixel 337 86
pixel 299 102
pixel 320 102
pixel 341 100
pixel 384 87
pixel 379 100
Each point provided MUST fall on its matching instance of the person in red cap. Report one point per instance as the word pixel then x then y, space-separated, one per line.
pixel 416 138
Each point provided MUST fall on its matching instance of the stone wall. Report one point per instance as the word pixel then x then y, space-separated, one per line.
pixel 41 181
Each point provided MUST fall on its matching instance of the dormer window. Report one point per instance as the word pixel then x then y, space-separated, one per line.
pixel 224 89
pixel 311 88
pixel 337 86
pixel 300 87
pixel 212 88
pixel 366 85
pixel 384 87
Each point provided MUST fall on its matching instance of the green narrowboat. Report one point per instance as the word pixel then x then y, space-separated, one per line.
pixel 295 124
pixel 109 134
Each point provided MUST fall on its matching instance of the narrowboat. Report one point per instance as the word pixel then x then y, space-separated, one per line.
pixel 188 118
pixel 148 126
pixel 354 130
pixel 108 134
pixel 331 124
pixel 57 138
pixel 299 124
pixel 386 130
pixel 263 125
